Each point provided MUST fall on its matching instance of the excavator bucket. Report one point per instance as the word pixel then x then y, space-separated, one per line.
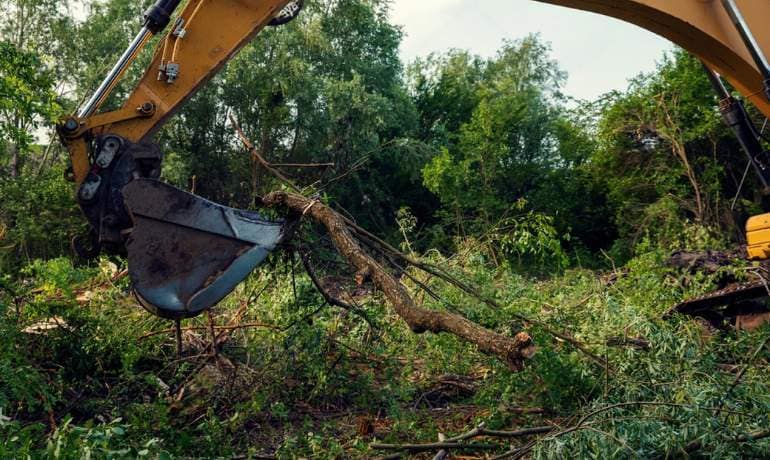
pixel 186 253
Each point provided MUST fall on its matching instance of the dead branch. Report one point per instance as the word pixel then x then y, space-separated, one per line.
pixel 457 442
pixel 481 431
pixel 259 158
pixel 513 351
pixel 435 446
pixel 443 454
pixel 302 165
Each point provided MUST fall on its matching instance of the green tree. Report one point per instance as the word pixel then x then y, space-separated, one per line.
pixel 35 24
pixel 445 88
pixel 667 155
pixel 326 88
pixel 27 99
pixel 36 208
pixel 511 139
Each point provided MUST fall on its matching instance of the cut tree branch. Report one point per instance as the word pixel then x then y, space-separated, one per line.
pixel 511 350
pixel 377 243
pixel 458 442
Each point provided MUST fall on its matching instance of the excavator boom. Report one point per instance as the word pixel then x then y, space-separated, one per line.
pixel 730 36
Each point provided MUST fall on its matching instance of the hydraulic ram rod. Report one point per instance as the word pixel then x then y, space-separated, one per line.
pixel 155 19
pixel 735 116
pixel 117 71
pixel 751 42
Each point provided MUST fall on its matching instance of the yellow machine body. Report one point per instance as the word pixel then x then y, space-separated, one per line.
pixel 758 237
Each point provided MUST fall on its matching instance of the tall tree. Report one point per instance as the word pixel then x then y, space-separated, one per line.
pixel 26 100
pixel 666 153
pixel 508 138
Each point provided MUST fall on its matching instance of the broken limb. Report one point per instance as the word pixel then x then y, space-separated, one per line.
pixel 377 243
pixel 435 446
pixel 511 350
pixel 458 442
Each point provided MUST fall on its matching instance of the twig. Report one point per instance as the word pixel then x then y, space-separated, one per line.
pixel 259 158
pixel 517 452
pixel 443 454
pixel 458 442
pixel 435 446
pixel 212 333
pixel 481 431
pixel 302 165
pixel 740 375
pixel 178 334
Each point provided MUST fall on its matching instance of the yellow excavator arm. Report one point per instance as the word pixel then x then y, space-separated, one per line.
pixel 712 30
pixel 205 35
pixel 185 253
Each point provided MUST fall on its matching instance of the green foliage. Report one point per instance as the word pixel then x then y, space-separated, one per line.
pixel 531 234
pixel 37 219
pixel 476 165
pixel 667 157
pixel 320 360
pixel 26 100
pixel 504 134
pixel 71 442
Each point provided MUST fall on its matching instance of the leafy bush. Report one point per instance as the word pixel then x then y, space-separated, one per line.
pixel 38 217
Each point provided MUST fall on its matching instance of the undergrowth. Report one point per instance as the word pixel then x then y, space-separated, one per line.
pixel 80 376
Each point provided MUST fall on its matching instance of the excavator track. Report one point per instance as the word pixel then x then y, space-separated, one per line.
pixel 733 293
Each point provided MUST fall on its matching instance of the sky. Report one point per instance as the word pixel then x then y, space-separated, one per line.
pixel 599 53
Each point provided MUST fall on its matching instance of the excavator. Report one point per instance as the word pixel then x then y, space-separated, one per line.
pixel 185 253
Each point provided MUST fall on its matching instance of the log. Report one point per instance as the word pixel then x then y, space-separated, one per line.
pixel 513 351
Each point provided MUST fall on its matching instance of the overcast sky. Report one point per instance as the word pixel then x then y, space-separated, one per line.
pixel 599 53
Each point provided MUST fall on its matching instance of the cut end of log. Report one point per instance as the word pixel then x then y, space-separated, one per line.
pixel 523 348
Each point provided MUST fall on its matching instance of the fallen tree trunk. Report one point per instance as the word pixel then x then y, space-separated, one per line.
pixel 511 350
